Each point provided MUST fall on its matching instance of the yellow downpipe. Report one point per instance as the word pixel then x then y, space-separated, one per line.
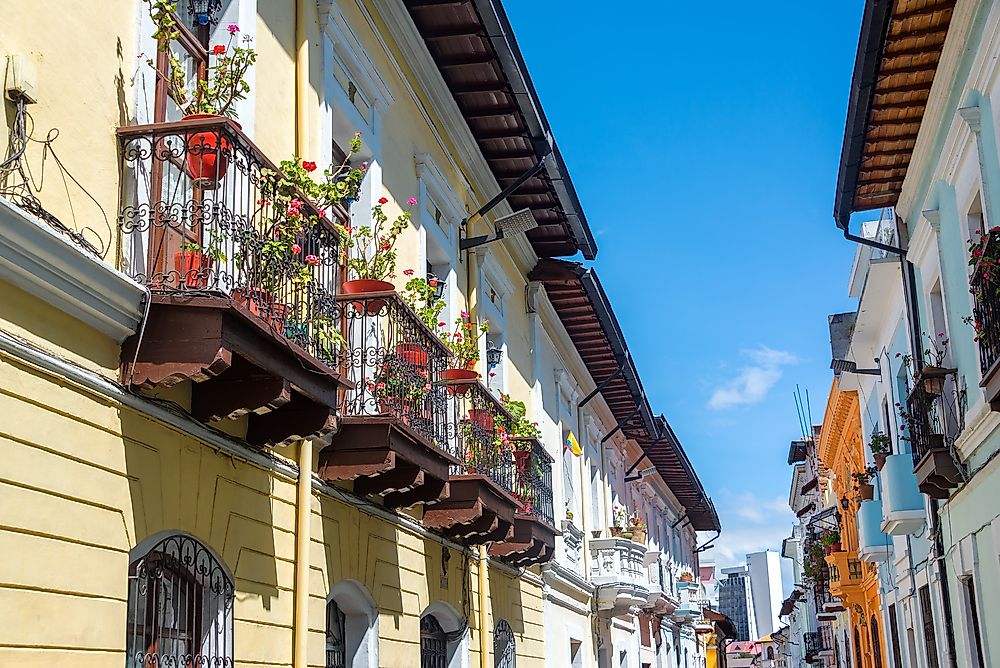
pixel 303 524
pixel 301 78
pixel 484 635
pixel 303 538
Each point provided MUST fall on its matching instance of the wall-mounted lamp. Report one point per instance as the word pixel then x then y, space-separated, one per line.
pixel 438 285
pixel 518 222
pixel 493 355
pixel 847 366
pixel 845 502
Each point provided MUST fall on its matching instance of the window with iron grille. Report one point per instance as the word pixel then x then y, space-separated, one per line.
pixel 336 636
pixel 972 621
pixel 876 643
pixel 504 649
pixel 927 618
pixel 180 607
pixel 433 643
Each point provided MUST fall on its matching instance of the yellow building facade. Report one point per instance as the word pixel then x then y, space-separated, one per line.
pixel 201 464
pixel 853 581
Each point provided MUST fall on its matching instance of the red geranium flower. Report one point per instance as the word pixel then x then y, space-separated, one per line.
pixel 219 50
pixel 308 166
pixel 312 259
pixel 383 200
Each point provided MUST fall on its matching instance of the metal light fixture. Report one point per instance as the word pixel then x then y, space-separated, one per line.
pixel 847 366
pixel 204 11
pixel 518 222
pixel 438 285
pixel 493 355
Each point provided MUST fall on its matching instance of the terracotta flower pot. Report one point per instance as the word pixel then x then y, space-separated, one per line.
pixel 462 379
pixel 193 268
pixel 413 354
pixel 521 459
pixel 263 305
pixel 366 286
pixel 880 460
pixel 616 532
pixel 481 418
pixel 866 491
pixel 638 535
pixel 208 155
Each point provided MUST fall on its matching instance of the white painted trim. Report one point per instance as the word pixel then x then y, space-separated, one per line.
pixel 361 622
pixel 351 54
pixel 437 187
pixel 47 265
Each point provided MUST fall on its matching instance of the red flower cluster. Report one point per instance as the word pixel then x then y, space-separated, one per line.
pixel 219 50
pixel 309 166
pixel 312 259
pixel 383 200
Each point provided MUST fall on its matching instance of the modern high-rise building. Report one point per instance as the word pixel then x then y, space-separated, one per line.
pixel 736 601
pixel 765 576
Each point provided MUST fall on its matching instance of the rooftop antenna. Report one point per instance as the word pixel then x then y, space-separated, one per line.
pixel 810 412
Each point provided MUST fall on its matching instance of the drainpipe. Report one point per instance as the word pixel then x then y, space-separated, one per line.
pixel 484 645
pixel 302 77
pixel 303 539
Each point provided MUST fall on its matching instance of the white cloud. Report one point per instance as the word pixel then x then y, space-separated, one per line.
pixel 753 382
pixel 751 524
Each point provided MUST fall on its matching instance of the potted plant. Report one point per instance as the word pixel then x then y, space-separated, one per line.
pixel 881 445
pixel 569 515
pixel 421 297
pixel 831 540
pixel 399 393
pixel 522 431
pixel 620 519
pixel 193 263
pixel 215 96
pixel 464 345
pixel 686 576
pixel 370 254
pixel 866 490
pixel 638 524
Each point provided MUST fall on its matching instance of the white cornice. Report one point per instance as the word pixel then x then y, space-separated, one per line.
pixel 437 186
pixel 46 264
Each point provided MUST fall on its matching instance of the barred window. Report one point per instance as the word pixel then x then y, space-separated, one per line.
pixel 180 607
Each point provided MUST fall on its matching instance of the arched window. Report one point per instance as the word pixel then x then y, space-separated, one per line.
pixel 770 654
pixel 859 662
pixel 444 637
pixel 504 649
pixel 351 627
pixel 876 645
pixel 180 606
pixel 336 636
pixel 433 643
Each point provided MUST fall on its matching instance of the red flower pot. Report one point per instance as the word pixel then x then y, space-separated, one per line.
pixel 208 155
pixel 366 286
pixel 481 417
pixel 193 268
pixel 461 377
pixel 880 460
pixel 867 492
pixel 521 459
pixel 413 354
pixel 262 305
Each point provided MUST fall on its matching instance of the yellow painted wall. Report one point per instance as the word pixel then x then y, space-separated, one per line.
pixel 85 479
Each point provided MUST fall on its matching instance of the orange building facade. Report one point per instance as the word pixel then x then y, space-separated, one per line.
pixel 853 581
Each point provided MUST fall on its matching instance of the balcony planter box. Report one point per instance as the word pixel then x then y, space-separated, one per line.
pixel 364 287
pixel 873 545
pixel 902 505
pixel 193 268
pixel 263 305
pixel 208 154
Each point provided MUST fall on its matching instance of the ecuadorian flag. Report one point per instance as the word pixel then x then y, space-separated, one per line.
pixel 572 445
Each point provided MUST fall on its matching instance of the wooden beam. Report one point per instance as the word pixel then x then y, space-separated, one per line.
pixel 226 398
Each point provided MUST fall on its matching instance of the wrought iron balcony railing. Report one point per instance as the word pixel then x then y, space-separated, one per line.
pixel 985 287
pixel 395 362
pixel 203 212
pixel 483 441
pixel 815 642
pixel 533 478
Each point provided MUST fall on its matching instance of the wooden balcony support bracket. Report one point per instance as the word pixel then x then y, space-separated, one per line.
pixel 530 540
pixel 383 456
pixel 476 510
pixel 298 419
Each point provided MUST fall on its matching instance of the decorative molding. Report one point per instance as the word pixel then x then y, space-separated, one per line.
pixel 350 52
pixel 933 217
pixel 973 117
pixel 437 187
pixel 47 265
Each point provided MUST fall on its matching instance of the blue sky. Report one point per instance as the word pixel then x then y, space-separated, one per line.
pixel 704 141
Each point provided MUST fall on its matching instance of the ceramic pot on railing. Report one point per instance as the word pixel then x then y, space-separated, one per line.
pixel 639 534
pixel 263 304
pixel 193 268
pixel 208 154
pixel 414 354
pixel 363 286
pixel 866 491
pixel 482 418
pixel 460 379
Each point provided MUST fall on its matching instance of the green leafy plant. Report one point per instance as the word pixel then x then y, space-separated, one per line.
pixel 620 515
pixel 338 183
pixel 880 443
pixel 830 537
pixel 464 340
pixel 864 477
pixel 419 295
pixel 521 426
pixel 225 83
pixel 370 250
